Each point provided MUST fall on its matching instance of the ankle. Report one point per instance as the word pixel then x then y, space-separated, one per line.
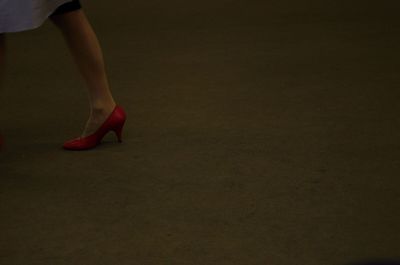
pixel 102 107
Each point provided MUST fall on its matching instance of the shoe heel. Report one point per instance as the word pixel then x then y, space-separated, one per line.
pixel 118 132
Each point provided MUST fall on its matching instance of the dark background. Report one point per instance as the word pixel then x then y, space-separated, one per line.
pixel 258 132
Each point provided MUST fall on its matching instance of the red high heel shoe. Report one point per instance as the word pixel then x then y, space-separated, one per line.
pixel 115 122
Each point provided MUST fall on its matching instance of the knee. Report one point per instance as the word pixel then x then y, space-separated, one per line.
pixel 68 22
pixel 65 12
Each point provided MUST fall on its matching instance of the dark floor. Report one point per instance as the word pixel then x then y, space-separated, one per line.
pixel 258 132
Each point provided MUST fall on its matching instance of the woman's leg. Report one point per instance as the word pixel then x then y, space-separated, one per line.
pixel 86 51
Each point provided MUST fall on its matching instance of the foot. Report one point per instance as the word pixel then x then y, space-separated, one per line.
pixel 97 117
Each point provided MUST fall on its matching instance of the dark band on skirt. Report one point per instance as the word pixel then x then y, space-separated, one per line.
pixel 67 7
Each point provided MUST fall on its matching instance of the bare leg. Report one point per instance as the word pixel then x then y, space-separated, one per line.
pixel 86 51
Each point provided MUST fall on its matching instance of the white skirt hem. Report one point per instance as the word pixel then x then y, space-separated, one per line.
pixel 34 19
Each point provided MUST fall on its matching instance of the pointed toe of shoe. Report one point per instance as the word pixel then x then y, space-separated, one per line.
pixel 79 144
pixel 72 144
